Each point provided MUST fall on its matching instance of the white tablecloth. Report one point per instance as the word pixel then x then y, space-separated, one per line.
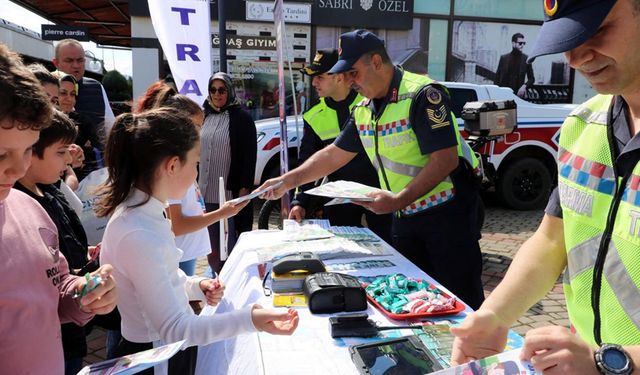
pixel 310 350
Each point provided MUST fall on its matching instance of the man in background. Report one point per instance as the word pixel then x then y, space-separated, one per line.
pixel 513 68
pixel 92 100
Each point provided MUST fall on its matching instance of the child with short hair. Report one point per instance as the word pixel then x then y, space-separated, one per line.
pixel 49 160
pixel 152 157
pixel 36 289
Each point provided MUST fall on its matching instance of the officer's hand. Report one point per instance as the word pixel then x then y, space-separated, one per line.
pixel 297 213
pixel 277 192
pixel 555 350
pixel 482 334
pixel 384 202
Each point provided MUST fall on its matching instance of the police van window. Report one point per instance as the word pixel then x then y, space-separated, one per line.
pixel 459 97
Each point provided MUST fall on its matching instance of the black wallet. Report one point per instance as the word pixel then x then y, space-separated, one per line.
pixel 352 325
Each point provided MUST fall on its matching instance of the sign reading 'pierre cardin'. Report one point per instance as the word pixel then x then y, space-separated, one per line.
pixel 387 14
pixel 59 32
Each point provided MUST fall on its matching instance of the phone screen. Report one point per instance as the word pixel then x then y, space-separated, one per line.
pixel 400 357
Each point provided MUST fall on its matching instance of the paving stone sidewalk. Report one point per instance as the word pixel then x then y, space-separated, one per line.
pixel 503 233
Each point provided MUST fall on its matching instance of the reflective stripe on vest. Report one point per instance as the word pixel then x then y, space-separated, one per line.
pixel 397 148
pixel 324 119
pixel 587 186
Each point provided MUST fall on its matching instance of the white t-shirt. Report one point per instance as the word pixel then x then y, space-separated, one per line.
pixel 154 293
pixel 194 244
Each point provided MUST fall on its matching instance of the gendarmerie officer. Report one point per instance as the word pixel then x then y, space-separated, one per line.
pixel 424 166
pixel 322 124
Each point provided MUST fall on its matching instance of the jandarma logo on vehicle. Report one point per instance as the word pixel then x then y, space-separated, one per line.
pixel 366 4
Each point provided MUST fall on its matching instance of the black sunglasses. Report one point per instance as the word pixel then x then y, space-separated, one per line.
pixel 521 43
pixel 220 90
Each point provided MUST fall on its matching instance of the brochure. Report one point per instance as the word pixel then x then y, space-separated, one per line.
pixel 133 363
pixel 343 192
pixel 255 194
pixel 503 363
pixel 304 231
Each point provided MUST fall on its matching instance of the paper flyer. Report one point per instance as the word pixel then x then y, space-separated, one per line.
pixel 255 194
pixel 133 363
pixel 507 363
pixel 295 231
pixel 343 192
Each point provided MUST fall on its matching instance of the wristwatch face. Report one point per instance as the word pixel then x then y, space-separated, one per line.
pixel 614 359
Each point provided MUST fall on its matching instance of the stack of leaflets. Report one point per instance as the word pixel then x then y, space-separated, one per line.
pixel 304 231
pixel 290 282
pixel 343 192
pixel 354 233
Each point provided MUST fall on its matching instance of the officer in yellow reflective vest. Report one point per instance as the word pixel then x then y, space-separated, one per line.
pixel 426 170
pixel 591 229
pixel 322 124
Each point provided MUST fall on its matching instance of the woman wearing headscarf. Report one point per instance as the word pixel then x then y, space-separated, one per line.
pixel 227 148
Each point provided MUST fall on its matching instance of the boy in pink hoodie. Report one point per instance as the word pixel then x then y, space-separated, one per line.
pixel 36 290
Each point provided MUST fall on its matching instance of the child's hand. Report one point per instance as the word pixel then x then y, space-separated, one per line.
pixel 93 252
pixel 77 155
pixel 101 300
pixel 213 290
pixel 231 208
pixel 275 322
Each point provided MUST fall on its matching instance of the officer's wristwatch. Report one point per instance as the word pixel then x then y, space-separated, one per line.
pixel 612 359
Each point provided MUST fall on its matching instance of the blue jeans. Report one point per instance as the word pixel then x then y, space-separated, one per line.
pixel 188 266
pixel 113 339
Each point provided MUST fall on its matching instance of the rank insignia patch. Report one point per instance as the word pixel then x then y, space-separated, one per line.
pixel 434 96
pixel 438 117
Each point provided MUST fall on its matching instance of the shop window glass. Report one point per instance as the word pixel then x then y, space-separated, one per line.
pixel 512 9
pixel 437 49
pixel 432 6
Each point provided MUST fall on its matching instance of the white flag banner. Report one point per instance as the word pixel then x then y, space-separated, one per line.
pixel 183 28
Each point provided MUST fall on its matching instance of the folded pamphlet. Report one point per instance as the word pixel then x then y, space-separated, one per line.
pixel 503 363
pixel 255 194
pixel 133 363
pixel 343 192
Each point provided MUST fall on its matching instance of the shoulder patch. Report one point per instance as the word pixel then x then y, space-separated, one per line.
pixel 434 96
pixel 438 117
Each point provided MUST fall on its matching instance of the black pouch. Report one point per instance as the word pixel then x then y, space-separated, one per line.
pixel 352 325
pixel 329 292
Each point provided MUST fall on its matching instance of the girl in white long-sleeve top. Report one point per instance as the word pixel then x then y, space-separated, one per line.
pixel 152 157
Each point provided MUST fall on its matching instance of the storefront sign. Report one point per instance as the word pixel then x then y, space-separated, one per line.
pixel 385 14
pixel 263 11
pixel 59 32
pixel 264 43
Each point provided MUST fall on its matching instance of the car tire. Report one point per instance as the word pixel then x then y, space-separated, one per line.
pixel 269 215
pixel 525 184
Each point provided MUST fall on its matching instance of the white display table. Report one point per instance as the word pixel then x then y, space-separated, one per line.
pixel 310 350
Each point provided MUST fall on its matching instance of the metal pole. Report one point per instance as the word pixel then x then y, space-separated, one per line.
pixel 222 33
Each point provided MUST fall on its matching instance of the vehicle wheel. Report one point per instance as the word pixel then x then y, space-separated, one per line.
pixel 269 215
pixel 525 184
